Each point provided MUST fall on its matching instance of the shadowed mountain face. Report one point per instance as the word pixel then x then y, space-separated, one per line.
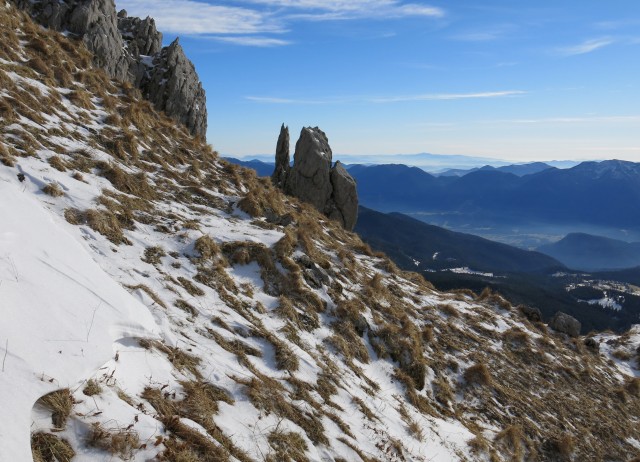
pixel 412 243
pixel 592 193
pixel 516 169
pixel 586 252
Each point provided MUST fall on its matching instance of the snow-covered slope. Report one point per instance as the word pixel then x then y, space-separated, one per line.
pixel 61 312
pixel 181 309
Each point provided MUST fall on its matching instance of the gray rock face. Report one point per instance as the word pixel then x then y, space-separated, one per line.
pixel 141 35
pixel 312 179
pixel 566 324
pixel 130 49
pixel 280 173
pixel 345 197
pixel 174 87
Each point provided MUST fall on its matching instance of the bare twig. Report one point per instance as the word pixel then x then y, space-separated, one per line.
pixel 92 319
pixel 6 350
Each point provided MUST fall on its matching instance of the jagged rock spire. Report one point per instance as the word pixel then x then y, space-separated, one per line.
pixel 312 178
pixel 281 170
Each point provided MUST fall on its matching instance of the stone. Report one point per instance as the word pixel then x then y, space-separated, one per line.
pixel 141 35
pixel 533 314
pixel 313 179
pixel 566 324
pixel 592 344
pixel 174 87
pixel 281 171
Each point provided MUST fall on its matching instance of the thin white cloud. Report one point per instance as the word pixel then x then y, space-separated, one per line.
pixel 250 40
pixel 349 9
pixel 587 46
pixel 388 99
pixel 276 100
pixel 238 24
pixel 190 17
pixel 569 120
pixel 448 96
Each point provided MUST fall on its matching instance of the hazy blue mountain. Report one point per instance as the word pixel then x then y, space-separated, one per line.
pixel 261 168
pixel 592 193
pixel 516 169
pixel 415 244
pixel 587 252
pixel 431 162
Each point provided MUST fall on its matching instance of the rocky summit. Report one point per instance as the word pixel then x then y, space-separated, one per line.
pixel 130 49
pixel 313 179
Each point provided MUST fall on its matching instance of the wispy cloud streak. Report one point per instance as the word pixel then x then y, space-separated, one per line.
pixel 236 24
pixel 447 96
pixel 585 47
pixel 190 17
pixel 388 99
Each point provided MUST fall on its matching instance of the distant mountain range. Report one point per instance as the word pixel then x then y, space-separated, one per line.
pixel 419 246
pixel 588 253
pixel 592 193
pixel 516 169
pixel 437 164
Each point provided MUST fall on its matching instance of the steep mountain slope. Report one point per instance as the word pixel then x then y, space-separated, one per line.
pixel 412 243
pixel 167 305
pixel 588 253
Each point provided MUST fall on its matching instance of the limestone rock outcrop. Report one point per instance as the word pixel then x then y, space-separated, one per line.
pixel 313 179
pixel 280 173
pixel 173 86
pixel 130 49
pixel 566 324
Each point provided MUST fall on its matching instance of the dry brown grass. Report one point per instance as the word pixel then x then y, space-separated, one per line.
pixel 478 374
pixel 57 163
pixel 46 447
pixel 92 388
pixel 6 158
pixel 181 360
pixel 269 396
pixel 206 247
pixel 153 255
pixel 81 98
pixel 186 307
pixel 190 287
pixel 53 190
pixel 60 403
pixel 136 184
pixel 118 442
pixel 288 446
pixel 512 438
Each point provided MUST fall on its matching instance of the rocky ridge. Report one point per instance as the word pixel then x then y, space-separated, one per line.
pixel 130 49
pixel 313 179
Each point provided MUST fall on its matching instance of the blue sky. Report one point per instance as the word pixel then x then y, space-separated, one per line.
pixel 505 79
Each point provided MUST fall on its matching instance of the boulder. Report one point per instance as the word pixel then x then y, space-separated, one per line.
pixel 281 171
pixel 313 179
pixel 566 324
